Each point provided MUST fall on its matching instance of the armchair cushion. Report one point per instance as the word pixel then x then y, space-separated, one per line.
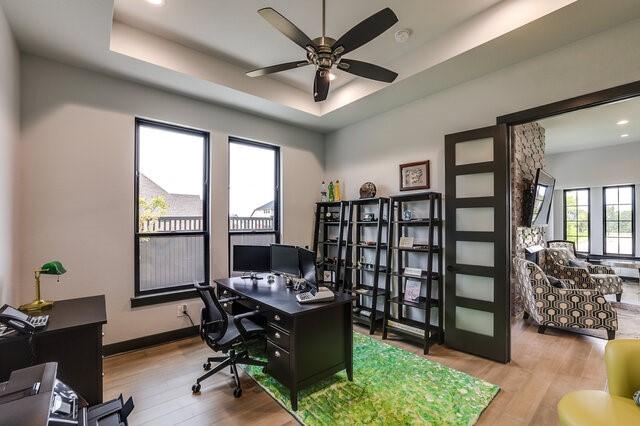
pixel 606 283
pixel 556 282
pixel 578 263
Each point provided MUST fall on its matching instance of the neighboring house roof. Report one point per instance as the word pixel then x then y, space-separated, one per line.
pixel 183 205
pixel 267 206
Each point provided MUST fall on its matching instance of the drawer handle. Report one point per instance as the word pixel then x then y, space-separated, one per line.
pixel 276 317
pixel 277 354
pixel 257 307
pixel 277 335
pixel 225 292
pixel 225 305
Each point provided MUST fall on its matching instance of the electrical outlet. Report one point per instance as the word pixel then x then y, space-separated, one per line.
pixel 182 309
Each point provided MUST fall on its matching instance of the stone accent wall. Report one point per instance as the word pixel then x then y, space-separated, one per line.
pixel 527 155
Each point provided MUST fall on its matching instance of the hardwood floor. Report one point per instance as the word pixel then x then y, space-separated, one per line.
pixel 543 368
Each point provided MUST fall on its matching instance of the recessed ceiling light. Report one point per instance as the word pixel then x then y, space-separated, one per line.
pixel 626 135
pixel 157 2
pixel 332 76
pixel 622 122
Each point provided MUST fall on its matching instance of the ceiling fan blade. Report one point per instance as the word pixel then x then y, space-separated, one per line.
pixel 367 70
pixel 286 27
pixel 277 68
pixel 365 31
pixel 321 85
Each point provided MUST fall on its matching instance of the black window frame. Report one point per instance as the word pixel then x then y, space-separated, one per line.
pixel 205 233
pixel 276 196
pixel 564 216
pixel 633 220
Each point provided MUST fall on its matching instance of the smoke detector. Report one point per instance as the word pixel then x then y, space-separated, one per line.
pixel 403 35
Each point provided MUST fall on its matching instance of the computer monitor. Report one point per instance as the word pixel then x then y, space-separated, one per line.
pixel 251 258
pixel 307 260
pixel 284 260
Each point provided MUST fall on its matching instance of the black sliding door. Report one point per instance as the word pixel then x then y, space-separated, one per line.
pixel 477 242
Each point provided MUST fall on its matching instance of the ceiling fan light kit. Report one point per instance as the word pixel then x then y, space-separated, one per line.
pixel 325 52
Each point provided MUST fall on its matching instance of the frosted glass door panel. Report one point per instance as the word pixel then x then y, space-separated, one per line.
pixel 474 287
pixel 478 219
pixel 474 185
pixel 474 253
pixel 478 151
pixel 475 321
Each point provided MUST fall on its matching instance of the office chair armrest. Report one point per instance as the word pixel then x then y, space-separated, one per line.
pixel 237 320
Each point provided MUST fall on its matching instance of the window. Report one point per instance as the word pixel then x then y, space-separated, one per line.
pixel 171 208
pixel 576 218
pixel 619 224
pixel 254 194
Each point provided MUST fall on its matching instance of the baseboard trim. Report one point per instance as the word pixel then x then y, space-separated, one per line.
pixel 146 341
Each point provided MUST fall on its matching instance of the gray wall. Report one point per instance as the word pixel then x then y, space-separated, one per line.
pixel 371 150
pixel 9 137
pixel 595 168
pixel 77 181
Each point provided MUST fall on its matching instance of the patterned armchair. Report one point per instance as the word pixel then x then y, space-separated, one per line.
pixel 594 277
pixel 562 307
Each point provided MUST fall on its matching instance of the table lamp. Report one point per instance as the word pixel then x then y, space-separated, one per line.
pixel 50 268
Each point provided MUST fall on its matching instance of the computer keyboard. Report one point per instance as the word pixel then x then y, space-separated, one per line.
pixel 322 295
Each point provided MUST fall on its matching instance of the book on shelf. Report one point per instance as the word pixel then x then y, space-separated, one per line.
pixel 412 291
pixel 406 242
pixel 414 272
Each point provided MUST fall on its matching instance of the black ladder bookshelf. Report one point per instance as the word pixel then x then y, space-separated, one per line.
pixel 329 242
pixel 364 254
pixel 398 258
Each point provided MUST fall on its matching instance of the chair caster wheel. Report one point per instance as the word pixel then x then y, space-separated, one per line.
pixel 206 366
pixel 195 388
pixel 237 392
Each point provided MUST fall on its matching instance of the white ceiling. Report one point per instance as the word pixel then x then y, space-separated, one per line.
pixel 234 31
pixel 202 48
pixel 593 127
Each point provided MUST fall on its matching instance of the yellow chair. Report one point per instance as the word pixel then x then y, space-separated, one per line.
pixel 594 408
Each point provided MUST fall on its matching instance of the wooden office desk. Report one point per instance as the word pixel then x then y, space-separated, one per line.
pixel 73 339
pixel 305 343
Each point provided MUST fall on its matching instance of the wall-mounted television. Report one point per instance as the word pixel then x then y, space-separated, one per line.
pixel 538 201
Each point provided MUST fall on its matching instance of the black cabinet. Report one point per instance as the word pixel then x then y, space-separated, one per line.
pixel 73 339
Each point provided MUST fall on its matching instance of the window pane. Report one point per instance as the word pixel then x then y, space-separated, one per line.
pixel 625 195
pixel 583 244
pixel 572 229
pixel 583 213
pixel 171 261
pixel 625 229
pixel 252 187
pixel 611 196
pixel 612 229
pixel 572 213
pixel 570 198
pixel 583 198
pixel 583 229
pixel 626 245
pixel 171 180
pixel 611 245
pixel 611 212
pixel 625 212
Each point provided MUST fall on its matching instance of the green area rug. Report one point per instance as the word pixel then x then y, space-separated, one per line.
pixel 391 387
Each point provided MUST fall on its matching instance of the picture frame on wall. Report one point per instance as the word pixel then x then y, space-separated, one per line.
pixel 414 176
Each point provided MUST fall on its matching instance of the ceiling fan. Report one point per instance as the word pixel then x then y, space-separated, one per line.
pixel 325 52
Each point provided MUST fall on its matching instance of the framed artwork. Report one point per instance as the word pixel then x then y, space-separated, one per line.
pixel 414 176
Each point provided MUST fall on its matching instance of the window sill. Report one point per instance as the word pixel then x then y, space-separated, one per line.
pixel 155 299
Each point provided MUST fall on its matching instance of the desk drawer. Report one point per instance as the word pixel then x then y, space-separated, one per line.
pixel 279 337
pixel 282 321
pixel 278 363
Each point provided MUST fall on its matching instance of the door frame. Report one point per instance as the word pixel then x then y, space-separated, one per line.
pixel 601 97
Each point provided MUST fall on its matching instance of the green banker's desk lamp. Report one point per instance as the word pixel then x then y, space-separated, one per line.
pixel 50 268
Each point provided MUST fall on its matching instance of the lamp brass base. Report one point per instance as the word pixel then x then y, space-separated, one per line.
pixel 37 305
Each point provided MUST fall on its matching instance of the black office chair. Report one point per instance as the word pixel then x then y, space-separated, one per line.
pixel 227 333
